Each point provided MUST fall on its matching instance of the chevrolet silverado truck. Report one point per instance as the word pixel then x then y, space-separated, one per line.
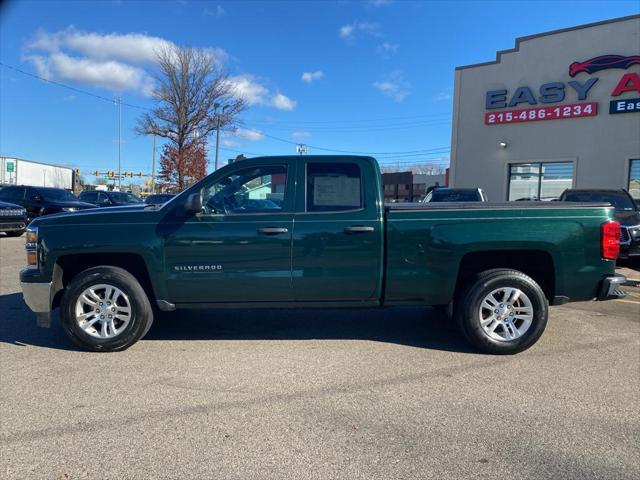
pixel 314 232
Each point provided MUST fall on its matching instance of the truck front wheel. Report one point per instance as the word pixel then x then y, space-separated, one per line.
pixel 502 311
pixel 105 309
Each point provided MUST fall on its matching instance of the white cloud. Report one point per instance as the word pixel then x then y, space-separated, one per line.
pixel 251 135
pixel 111 75
pixel 300 134
pixel 282 102
pixel 113 61
pixel 310 77
pixel 131 47
pixel 346 31
pixel 247 88
pixel 227 142
pixel 351 30
pixel 218 11
pixel 121 62
pixel 387 49
pixel 394 86
pixel 254 93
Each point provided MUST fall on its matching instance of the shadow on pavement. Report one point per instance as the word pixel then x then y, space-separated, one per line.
pixel 18 326
pixel 420 327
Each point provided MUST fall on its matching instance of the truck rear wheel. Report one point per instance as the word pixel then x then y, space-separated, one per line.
pixel 105 309
pixel 502 311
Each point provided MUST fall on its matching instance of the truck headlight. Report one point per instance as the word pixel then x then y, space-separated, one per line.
pixel 634 232
pixel 31 246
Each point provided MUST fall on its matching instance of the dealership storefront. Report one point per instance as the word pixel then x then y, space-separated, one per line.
pixel 560 110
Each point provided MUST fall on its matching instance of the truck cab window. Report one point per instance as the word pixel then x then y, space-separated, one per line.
pixel 333 187
pixel 252 190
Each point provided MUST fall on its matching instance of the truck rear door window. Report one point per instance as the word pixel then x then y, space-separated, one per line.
pixel 333 187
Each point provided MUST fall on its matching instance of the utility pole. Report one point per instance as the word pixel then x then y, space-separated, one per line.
pixel 153 166
pixel 120 143
pixel 215 107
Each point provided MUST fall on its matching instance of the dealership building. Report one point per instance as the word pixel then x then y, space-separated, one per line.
pixel 560 110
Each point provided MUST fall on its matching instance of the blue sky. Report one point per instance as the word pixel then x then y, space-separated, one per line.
pixel 366 76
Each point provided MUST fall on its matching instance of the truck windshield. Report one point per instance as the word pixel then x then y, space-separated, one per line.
pixel 53 194
pixel 618 200
pixel 123 197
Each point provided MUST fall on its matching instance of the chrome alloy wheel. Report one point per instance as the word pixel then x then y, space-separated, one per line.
pixel 103 311
pixel 506 314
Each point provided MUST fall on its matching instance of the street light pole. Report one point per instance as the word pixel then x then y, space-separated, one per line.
pixel 120 143
pixel 153 166
pixel 217 139
pixel 216 106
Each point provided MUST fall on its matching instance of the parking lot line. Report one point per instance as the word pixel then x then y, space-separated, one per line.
pixel 627 301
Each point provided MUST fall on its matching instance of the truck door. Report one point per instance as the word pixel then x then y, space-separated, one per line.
pixel 239 248
pixel 338 233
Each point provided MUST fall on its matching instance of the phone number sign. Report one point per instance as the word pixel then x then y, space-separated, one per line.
pixel 587 109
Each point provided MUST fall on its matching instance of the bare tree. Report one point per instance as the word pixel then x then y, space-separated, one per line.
pixel 193 96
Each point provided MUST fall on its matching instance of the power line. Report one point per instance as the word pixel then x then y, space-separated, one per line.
pixel 113 101
pixel 69 87
pixel 313 122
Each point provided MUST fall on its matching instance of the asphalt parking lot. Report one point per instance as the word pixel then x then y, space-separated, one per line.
pixel 320 394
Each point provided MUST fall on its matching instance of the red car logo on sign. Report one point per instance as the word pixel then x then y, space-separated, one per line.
pixel 603 62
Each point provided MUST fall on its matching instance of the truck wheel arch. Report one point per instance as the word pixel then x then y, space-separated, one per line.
pixel 68 266
pixel 537 264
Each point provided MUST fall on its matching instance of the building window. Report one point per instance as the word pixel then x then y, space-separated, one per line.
pixel 634 179
pixel 539 181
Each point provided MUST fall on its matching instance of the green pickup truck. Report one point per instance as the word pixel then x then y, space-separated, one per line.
pixel 314 232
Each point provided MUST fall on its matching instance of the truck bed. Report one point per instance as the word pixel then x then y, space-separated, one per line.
pixel 428 243
pixel 491 205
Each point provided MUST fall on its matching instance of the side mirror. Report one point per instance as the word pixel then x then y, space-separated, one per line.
pixel 193 204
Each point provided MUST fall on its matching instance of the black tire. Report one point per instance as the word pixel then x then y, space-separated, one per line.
pixel 468 316
pixel 19 233
pixel 141 311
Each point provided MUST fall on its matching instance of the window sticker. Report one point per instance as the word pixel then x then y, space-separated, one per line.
pixel 332 191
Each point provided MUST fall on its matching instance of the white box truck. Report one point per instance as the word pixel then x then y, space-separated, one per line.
pixel 16 171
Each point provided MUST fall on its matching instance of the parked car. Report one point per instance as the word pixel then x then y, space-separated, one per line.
pixel 446 194
pixel 627 214
pixel 13 219
pixel 103 198
pixel 536 199
pixel 158 198
pixel 332 243
pixel 40 201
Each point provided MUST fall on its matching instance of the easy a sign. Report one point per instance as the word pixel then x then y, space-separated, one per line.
pixel 554 92
pixel 548 93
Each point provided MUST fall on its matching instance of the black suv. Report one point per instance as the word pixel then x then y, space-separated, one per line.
pixel 103 198
pixel 158 198
pixel 13 219
pixel 42 200
pixel 627 214
pixel 447 194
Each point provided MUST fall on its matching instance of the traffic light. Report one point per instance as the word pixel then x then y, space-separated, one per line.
pixel 77 171
pixel 96 173
pixel 111 173
pixel 140 173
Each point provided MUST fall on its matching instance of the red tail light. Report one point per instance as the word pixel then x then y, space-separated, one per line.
pixel 610 240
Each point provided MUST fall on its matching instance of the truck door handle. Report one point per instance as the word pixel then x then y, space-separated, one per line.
pixel 357 229
pixel 272 230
